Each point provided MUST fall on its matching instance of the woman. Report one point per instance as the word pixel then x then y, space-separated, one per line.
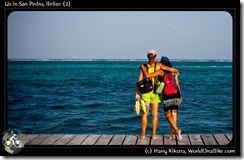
pixel 170 109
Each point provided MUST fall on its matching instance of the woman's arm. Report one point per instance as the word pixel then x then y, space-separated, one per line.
pixel 154 74
pixel 177 80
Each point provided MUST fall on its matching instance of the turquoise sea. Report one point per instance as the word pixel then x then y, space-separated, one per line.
pixel 98 97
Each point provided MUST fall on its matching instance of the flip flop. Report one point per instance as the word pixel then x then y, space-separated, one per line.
pixel 143 106
pixel 137 107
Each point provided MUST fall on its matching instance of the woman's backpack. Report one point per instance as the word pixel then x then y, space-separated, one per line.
pixel 170 84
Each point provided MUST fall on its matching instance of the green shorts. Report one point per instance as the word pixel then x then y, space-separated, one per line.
pixel 151 97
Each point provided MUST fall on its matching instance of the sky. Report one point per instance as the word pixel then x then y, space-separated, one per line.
pixel 119 34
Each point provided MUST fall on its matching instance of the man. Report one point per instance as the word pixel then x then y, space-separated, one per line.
pixel 151 98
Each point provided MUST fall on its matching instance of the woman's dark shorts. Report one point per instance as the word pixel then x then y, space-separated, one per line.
pixel 174 107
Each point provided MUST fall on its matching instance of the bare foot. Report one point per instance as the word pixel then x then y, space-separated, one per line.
pixel 171 137
pixel 179 136
pixel 141 137
pixel 155 137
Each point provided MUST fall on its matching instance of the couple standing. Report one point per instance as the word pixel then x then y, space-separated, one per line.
pixel 153 70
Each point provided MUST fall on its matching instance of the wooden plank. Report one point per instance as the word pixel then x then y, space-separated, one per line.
pixel 168 141
pixel 104 140
pixel 145 141
pixel 159 141
pixel 195 139
pixel 65 139
pixel 38 139
pixel 117 140
pixel 90 140
pixel 185 140
pixel 229 136
pixel 52 139
pixel 69 139
pixel 130 140
pixel 221 139
pixel 77 140
pixel 29 137
pixel 208 139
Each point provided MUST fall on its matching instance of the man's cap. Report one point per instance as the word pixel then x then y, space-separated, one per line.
pixel 151 51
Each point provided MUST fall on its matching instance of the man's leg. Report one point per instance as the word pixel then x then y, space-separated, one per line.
pixel 144 122
pixel 154 120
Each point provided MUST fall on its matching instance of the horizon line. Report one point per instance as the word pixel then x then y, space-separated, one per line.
pixel 80 59
pixel 120 58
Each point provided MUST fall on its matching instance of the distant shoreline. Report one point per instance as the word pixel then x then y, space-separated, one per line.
pixel 116 60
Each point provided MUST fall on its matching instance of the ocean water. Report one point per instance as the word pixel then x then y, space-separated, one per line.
pixel 98 97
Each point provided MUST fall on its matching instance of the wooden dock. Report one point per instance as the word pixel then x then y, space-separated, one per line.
pixel 95 139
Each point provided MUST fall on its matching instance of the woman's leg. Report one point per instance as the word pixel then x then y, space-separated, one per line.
pixel 172 123
pixel 174 116
pixel 144 122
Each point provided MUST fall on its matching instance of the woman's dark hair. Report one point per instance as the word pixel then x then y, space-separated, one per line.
pixel 168 64
pixel 165 61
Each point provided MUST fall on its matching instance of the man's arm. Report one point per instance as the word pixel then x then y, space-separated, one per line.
pixel 140 76
pixel 170 69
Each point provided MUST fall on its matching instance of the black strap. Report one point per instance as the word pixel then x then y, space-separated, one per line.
pixel 145 65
